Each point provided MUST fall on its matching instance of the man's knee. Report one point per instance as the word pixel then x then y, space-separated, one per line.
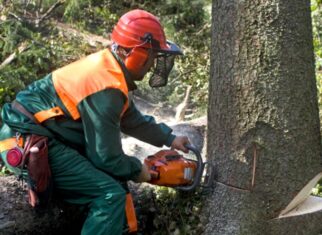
pixel 116 196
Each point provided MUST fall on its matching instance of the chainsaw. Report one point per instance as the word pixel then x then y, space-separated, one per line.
pixel 169 168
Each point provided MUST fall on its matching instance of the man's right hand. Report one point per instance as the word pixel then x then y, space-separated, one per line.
pixel 179 143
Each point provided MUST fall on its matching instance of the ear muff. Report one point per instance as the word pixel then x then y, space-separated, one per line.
pixel 136 59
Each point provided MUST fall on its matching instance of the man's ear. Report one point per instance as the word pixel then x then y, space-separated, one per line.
pixel 136 59
pixel 121 52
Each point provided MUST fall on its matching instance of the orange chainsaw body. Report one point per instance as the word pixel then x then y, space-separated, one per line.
pixel 169 168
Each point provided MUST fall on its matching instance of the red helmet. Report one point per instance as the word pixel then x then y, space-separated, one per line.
pixel 139 28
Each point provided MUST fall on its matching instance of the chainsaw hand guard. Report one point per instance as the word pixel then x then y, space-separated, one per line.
pixel 199 171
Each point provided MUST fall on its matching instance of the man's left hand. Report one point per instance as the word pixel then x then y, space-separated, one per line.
pixel 179 143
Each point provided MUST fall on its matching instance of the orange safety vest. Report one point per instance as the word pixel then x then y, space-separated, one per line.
pixel 82 78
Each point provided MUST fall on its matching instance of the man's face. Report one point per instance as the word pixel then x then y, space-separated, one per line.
pixel 139 75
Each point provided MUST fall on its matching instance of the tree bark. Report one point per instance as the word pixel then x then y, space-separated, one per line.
pixel 263 123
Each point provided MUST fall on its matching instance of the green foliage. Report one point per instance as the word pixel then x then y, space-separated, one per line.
pixel 171 212
pixel 4 171
pixel 13 77
pixel 316 7
pixel 45 50
pixel 317 190
pixel 90 15
pixel 317 32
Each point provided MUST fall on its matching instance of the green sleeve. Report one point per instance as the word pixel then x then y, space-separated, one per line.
pixel 100 114
pixel 145 128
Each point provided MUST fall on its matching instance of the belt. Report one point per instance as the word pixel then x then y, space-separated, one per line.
pixel 17 106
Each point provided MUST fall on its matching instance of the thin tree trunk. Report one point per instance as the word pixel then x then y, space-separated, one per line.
pixel 263 123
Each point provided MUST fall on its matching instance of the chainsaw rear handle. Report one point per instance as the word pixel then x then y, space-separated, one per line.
pixel 199 171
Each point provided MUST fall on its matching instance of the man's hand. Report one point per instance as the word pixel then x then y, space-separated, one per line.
pixel 179 143
pixel 144 175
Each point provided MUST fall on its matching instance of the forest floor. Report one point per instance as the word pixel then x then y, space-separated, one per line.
pixel 11 194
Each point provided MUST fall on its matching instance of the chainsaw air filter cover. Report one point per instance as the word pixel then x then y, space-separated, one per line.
pixel 14 157
pixel 169 168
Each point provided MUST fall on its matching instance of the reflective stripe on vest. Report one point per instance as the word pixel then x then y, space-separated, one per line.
pixel 87 76
pixel 10 143
pixel 49 113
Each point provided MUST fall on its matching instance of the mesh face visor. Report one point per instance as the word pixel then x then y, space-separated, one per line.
pixel 163 65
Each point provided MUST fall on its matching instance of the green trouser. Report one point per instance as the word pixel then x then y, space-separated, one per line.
pixel 79 182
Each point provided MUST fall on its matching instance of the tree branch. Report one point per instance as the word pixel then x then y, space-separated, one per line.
pixel 11 57
pixel 92 39
pixel 36 20
pixel 47 13
pixel 15 16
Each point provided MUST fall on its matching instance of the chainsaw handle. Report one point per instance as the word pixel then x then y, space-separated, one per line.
pixel 154 174
pixel 198 175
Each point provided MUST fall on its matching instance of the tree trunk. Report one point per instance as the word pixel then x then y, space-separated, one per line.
pixel 263 123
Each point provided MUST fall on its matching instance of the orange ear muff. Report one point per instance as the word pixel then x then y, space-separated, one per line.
pixel 136 59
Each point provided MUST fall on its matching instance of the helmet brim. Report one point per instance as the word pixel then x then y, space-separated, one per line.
pixel 172 49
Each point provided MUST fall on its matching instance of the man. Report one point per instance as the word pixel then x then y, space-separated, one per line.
pixel 83 107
